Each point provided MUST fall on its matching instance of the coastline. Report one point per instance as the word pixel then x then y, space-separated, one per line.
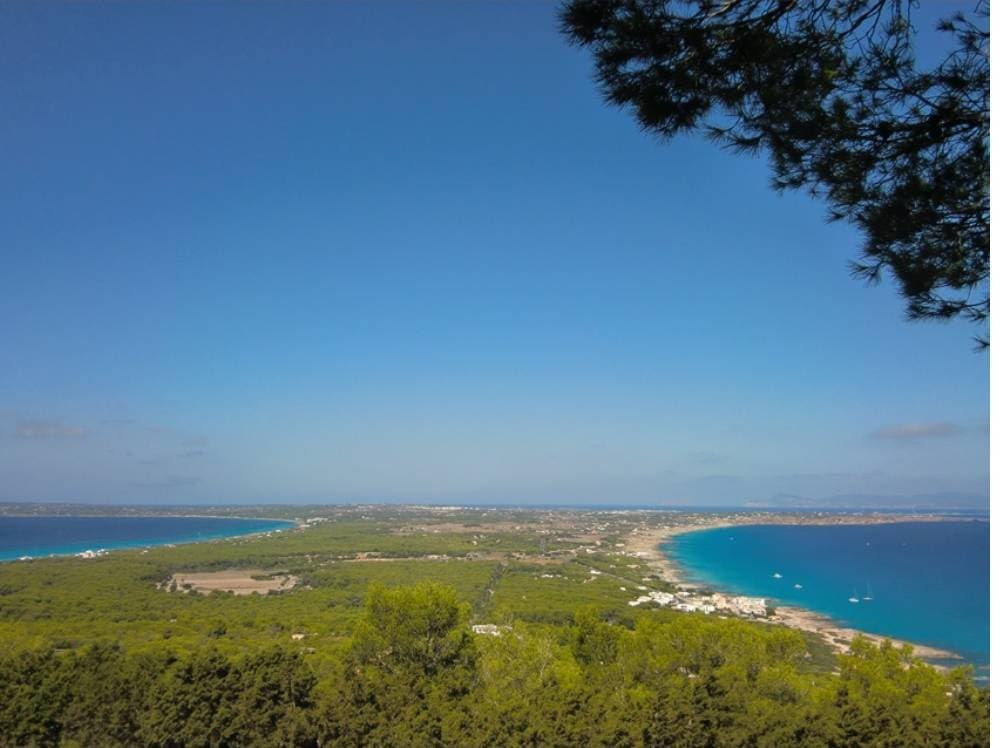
pixel 99 549
pixel 649 546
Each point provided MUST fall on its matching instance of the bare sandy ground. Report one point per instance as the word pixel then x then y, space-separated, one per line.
pixel 237 581
pixel 840 636
pixel 647 544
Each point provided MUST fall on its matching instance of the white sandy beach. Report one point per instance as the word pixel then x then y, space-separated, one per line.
pixel 649 545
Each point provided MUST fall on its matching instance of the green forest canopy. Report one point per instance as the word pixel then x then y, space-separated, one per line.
pixel 375 646
pixel 413 674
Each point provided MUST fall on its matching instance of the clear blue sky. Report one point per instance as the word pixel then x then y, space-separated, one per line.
pixel 356 252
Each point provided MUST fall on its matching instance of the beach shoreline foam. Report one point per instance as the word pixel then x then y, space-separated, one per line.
pixel 93 548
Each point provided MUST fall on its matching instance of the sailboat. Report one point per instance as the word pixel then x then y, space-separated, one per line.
pixel 868 596
pixel 854 598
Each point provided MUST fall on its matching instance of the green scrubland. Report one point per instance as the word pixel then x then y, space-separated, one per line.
pixel 381 651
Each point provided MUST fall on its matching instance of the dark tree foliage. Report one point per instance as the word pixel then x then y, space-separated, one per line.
pixel 830 89
pixel 412 676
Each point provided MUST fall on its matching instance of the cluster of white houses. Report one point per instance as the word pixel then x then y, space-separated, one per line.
pixel 691 602
pixel 92 554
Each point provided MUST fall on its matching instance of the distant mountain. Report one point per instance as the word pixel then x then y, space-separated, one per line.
pixel 946 500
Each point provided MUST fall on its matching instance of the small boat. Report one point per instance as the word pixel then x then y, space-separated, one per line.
pixel 777 575
pixel 797 586
pixel 868 595
pixel 854 598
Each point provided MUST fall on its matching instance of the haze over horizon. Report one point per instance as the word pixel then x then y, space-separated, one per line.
pixel 365 253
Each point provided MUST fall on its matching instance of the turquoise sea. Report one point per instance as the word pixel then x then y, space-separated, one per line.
pixel 46 536
pixel 928 581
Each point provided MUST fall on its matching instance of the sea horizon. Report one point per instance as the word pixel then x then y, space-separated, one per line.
pixel 909 509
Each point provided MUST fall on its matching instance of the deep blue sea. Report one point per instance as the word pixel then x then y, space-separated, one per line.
pixel 929 581
pixel 45 536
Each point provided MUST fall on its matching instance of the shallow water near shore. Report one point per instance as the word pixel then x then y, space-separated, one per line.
pixel 62 535
pixel 928 581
